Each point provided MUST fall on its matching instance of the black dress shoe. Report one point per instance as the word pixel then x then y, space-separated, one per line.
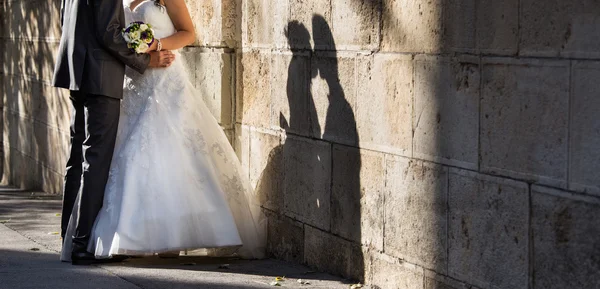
pixel 82 258
pixel 80 255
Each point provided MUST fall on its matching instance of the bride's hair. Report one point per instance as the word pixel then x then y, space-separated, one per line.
pixel 159 4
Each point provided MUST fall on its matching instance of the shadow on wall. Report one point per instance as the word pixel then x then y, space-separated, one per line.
pixel 35 115
pixel 315 175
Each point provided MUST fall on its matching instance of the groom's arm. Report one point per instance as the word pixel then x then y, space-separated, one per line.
pixel 108 27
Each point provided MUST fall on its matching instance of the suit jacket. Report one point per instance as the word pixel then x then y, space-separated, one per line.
pixel 92 54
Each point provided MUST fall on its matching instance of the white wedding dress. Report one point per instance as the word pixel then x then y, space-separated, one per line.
pixel 175 182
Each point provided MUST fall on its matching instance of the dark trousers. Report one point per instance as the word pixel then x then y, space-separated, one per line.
pixel 93 134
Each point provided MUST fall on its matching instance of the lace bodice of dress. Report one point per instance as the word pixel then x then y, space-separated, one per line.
pixel 148 12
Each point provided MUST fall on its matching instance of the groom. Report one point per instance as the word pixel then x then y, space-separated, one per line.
pixel 91 63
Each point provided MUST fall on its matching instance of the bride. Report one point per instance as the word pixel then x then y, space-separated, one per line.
pixel 175 182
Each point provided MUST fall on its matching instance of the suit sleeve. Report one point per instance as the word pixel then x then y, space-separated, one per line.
pixel 108 25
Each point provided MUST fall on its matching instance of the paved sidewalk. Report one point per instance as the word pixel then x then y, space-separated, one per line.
pixel 29 258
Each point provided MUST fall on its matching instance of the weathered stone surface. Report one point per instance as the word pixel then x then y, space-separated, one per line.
pixel 49 146
pixel 524 109
pixel 307 185
pixel 265 22
pixel 460 25
pixel 415 212
pixel 18 132
pixel 285 238
pixel 488 230
pixel 207 18
pixel 356 24
pixel 328 253
pixel 266 169
pixel 357 195
pixel 31 19
pixel 316 16
pixel 497 26
pixel 584 159
pixel 242 145
pixel 213 79
pixel 333 89
pixel 434 280
pixel 564 28
pixel 446 110
pixel 293 108
pixel 566 240
pixel 386 272
pixel 22 95
pixel 255 102
pixel 412 26
pixel 485 26
pixel 385 103
pixel 51 181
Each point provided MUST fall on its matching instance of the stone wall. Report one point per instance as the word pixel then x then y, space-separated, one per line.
pixel 426 144
pixel 402 143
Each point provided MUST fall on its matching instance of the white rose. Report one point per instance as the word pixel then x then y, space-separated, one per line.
pixel 143 27
pixel 126 37
pixel 134 35
pixel 143 48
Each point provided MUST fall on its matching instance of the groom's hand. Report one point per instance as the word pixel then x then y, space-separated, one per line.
pixel 161 58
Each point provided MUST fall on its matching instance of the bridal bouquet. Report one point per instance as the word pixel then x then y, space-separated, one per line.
pixel 139 36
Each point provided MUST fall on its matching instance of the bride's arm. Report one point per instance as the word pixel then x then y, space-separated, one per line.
pixel 185 35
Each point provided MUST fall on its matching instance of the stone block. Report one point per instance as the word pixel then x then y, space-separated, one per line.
pixel 498 26
pixel 524 118
pixel 488 230
pixel 566 240
pixel 24 171
pixel 21 95
pixel 333 88
pixel 50 146
pixel 307 184
pixel 412 26
pixel 387 272
pixel 264 23
pixel 584 158
pixel 446 114
pixel 241 146
pixel 328 253
pixel 560 28
pixel 484 26
pixel 266 169
pixel 207 17
pixel 213 79
pixel 285 238
pixel 293 108
pixel 416 213
pixel 51 181
pixel 255 100
pixel 357 195
pixel 316 16
pixel 460 23
pixel 356 24
pixel 385 103
pixel 18 132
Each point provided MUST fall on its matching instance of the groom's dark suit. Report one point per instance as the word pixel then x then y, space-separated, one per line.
pixel 91 63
